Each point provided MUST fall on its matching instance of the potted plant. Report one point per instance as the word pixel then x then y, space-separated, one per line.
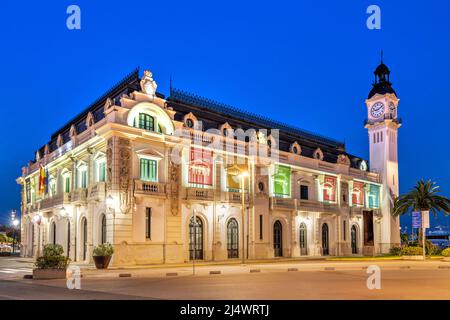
pixel 102 255
pixel 52 265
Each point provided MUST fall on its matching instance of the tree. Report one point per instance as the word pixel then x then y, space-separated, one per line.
pixel 423 197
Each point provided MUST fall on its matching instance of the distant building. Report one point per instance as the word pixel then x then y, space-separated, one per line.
pixel 135 167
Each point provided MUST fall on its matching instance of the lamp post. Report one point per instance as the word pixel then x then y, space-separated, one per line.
pixel 243 175
pixel 15 223
pixel 425 225
pixel 37 218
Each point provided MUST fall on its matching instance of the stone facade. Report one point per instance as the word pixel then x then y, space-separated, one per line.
pixel 129 176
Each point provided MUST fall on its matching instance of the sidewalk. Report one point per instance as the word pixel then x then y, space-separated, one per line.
pixel 258 266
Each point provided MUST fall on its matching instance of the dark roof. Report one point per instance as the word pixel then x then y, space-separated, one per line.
pixel 213 114
pixel 382 85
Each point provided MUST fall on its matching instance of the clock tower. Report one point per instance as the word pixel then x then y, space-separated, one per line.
pixel 382 124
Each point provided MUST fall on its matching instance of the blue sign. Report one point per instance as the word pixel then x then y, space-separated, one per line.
pixel 417 219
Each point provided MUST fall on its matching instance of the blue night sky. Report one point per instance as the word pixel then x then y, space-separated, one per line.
pixel 306 63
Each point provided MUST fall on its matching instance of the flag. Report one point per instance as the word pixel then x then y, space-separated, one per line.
pixel 42 180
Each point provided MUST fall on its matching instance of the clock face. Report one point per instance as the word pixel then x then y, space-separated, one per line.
pixel 377 110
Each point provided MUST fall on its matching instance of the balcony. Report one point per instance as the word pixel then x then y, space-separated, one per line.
pixel 57 200
pixel 235 197
pixel 97 191
pixel 317 206
pixel 283 203
pixel 150 188
pixel 79 196
pixel 199 194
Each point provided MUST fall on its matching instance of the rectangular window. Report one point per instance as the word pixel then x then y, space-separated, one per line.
pixel 102 172
pixel 260 227
pixel 28 190
pixel 304 192
pixel 282 181
pixel 83 179
pixel 148 223
pixel 149 170
pixel 345 230
pixel 67 184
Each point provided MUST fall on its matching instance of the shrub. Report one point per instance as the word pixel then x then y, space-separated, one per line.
pixel 431 249
pixel 105 249
pixel 53 258
pixel 412 251
pixel 396 251
pixel 446 252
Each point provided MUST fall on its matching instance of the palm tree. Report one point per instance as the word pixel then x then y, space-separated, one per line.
pixel 423 197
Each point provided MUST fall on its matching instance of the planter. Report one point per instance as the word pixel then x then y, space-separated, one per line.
pixel 412 258
pixel 102 262
pixel 48 274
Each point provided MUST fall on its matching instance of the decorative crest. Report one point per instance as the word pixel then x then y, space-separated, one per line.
pixel 148 85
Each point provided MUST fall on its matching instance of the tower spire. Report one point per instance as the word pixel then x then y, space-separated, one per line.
pixel 381 55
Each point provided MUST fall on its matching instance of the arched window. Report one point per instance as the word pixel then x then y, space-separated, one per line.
pixel 303 239
pixel 196 238
pixel 278 239
pixel 233 239
pixel 144 121
pixel 84 237
pixel 103 229
pixel 82 176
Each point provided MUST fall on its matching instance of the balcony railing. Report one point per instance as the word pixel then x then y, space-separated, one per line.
pixel 59 199
pixel 283 203
pixel 97 191
pixel 199 194
pixel 79 195
pixel 235 197
pixel 150 188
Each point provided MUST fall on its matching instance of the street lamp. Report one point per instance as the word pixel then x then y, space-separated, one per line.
pixel 15 223
pixel 109 201
pixel 242 177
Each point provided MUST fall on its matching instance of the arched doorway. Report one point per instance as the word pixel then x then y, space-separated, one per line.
pixel 53 232
pixel 278 239
pixel 196 239
pixel 354 240
pixel 103 229
pixel 325 240
pixel 84 237
pixel 303 240
pixel 233 239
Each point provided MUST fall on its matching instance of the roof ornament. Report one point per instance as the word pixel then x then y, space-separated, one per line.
pixel 148 85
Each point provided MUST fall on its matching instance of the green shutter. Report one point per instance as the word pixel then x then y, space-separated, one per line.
pixel 282 181
pixel 149 170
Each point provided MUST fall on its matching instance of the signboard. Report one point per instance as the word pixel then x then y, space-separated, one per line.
pixel 426 219
pixel 417 219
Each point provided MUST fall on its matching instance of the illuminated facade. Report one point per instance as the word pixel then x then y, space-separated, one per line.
pixel 135 167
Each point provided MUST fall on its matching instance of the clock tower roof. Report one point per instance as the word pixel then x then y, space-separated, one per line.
pixel 381 85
